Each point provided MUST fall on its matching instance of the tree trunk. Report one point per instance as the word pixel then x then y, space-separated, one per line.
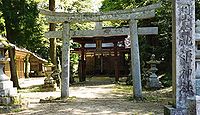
pixel 11 50
pixel 52 40
pixel 26 73
pixel 13 71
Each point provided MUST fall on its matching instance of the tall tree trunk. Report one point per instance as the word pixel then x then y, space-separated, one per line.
pixel 26 73
pixel 52 40
pixel 11 50
pixel 13 71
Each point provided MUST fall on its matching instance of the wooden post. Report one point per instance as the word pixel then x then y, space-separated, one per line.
pixel 26 73
pixel 101 62
pixel 65 61
pixel 116 63
pixel 82 64
pixel 135 59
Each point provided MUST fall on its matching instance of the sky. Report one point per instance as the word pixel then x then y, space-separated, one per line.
pixel 96 4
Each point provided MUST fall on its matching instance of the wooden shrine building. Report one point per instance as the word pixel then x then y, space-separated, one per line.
pixel 102 55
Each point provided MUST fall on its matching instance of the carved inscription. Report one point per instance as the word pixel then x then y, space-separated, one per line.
pixel 185 49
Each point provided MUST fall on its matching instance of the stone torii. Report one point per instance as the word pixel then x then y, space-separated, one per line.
pixel 129 15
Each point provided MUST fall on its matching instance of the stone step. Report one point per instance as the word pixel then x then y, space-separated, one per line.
pixel 6 85
pixel 8 92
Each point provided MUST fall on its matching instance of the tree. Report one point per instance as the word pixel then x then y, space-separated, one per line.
pixel 52 40
pixel 22 27
pixel 160 45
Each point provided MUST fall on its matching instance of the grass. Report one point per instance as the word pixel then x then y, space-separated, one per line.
pixel 58 100
pixel 162 95
pixel 17 110
pixel 35 88
pixel 122 89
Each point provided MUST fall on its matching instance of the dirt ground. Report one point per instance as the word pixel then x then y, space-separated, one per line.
pixel 94 97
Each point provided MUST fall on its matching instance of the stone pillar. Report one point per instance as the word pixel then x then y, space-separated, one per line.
pixel 65 60
pixel 135 59
pixel 197 76
pixel 183 57
pixel 197 56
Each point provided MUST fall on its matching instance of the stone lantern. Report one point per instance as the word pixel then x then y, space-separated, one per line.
pixel 153 81
pixel 7 91
pixel 49 82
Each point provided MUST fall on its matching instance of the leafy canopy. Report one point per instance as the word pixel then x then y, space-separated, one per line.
pixel 22 24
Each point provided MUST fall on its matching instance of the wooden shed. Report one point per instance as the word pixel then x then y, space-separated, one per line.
pixel 34 64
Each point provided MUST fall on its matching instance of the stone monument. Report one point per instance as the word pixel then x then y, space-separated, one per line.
pixel 7 91
pixel 197 56
pixel 49 82
pixel 153 81
pixel 183 60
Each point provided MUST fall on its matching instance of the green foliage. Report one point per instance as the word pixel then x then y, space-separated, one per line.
pixel 22 24
pixel 160 45
pixel 197 9
pixel 76 5
pixel 74 60
pixel 109 5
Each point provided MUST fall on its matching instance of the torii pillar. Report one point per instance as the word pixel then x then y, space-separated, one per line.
pixel 65 60
pixel 135 59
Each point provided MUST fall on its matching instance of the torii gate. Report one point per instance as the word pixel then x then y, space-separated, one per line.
pixel 129 15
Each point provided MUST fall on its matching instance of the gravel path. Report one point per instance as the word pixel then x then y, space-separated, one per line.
pixel 89 99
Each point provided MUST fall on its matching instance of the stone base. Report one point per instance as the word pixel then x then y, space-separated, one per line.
pixel 13 92
pixel 7 89
pixel 50 87
pixel 49 80
pixel 9 100
pixel 6 100
pixel 10 104
pixel 153 83
pixel 194 105
pixel 50 84
pixel 193 108
pixel 6 84
pixel 8 92
pixel 11 108
pixel 169 110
